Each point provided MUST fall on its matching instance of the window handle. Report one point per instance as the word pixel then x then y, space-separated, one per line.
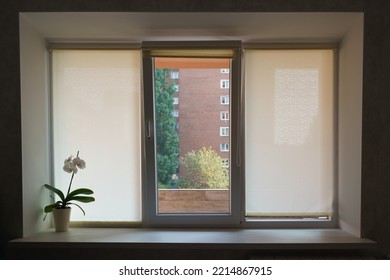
pixel 148 131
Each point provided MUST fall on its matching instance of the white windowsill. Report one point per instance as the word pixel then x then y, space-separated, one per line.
pixel 251 239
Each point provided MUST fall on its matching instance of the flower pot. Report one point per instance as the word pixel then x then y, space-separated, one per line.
pixel 61 219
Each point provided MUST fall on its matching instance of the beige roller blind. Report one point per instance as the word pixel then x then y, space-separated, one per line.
pixel 289 126
pixel 96 110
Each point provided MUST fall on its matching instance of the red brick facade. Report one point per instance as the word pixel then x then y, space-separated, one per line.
pixel 199 110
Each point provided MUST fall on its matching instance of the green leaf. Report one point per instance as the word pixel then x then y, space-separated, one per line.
pixel 78 207
pixel 49 208
pixel 84 199
pixel 78 191
pixel 55 190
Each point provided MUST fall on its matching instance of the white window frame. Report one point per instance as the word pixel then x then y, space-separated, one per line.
pixel 224 115
pixel 225 100
pixel 225 162
pixel 225 84
pixel 175 75
pixel 224 131
pixel 225 70
pixel 224 147
pixel 175 113
pixel 151 217
pixel 175 100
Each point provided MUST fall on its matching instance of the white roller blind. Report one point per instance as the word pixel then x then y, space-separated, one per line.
pixel 289 132
pixel 96 110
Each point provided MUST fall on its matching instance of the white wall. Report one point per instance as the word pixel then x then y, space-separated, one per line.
pixel 35 144
pixel 350 127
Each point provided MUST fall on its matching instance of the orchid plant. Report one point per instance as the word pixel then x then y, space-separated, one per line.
pixel 71 165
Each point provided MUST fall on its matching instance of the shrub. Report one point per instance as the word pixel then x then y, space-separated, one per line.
pixel 203 169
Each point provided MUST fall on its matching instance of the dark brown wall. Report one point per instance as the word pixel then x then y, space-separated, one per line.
pixel 376 95
pixel 376 125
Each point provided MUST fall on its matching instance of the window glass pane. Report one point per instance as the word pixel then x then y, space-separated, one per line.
pixel 96 110
pixel 289 132
pixel 192 175
pixel 224 116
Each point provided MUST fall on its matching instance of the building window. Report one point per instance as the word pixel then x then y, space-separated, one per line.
pixel 224 116
pixel 225 71
pixel 224 131
pixel 225 100
pixel 225 162
pixel 176 87
pixel 224 84
pixel 175 100
pixel 175 75
pixel 224 147
pixel 175 113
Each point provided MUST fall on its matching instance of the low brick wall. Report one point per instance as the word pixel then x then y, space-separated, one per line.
pixel 193 201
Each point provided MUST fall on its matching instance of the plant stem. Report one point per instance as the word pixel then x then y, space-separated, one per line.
pixel 70 184
pixel 71 179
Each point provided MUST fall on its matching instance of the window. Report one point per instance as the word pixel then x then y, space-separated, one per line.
pixel 224 131
pixel 225 100
pixel 225 162
pixel 176 87
pixel 286 171
pixel 175 113
pixel 225 71
pixel 224 83
pixel 175 75
pixel 224 147
pixel 183 169
pixel 224 116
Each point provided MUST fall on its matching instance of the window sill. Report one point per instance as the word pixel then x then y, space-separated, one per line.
pixel 243 242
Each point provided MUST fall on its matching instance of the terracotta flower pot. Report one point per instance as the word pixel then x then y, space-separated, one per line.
pixel 61 219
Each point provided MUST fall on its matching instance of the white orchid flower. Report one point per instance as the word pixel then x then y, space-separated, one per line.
pixel 68 160
pixel 72 164
pixel 79 162
pixel 69 166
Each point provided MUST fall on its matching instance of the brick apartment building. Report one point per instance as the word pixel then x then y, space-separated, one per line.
pixel 202 108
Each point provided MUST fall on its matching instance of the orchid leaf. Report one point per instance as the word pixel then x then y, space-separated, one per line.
pixel 55 190
pixel 79 191
pixel 84 199
pixel 49 208
pixel 78 207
